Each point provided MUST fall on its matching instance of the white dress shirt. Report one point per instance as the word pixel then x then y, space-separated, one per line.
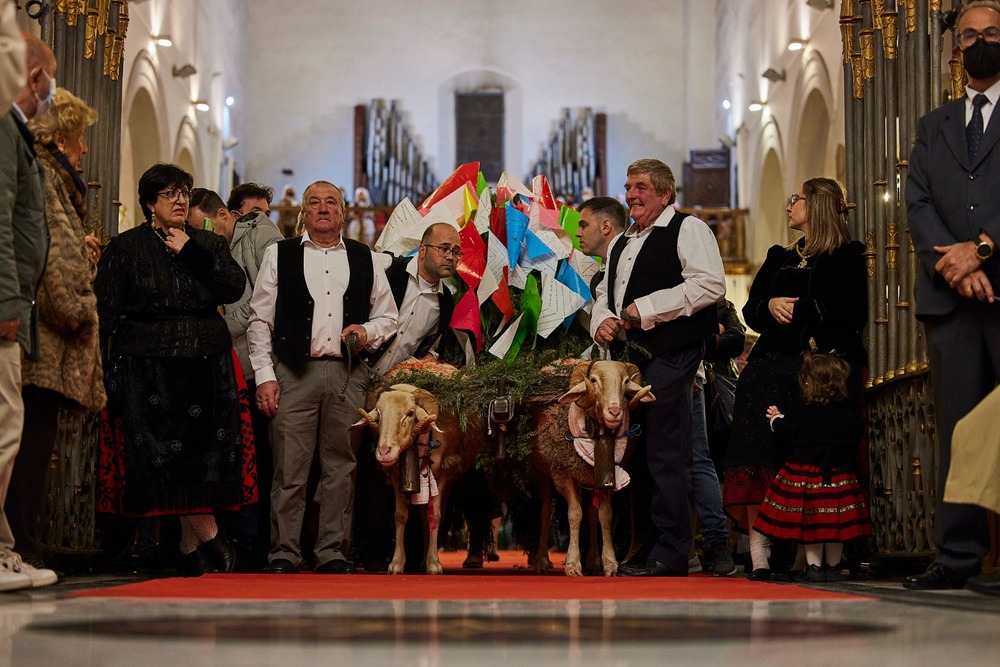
pixel 327 274
pixel 992 94
pixel 704 276
pixel 419 314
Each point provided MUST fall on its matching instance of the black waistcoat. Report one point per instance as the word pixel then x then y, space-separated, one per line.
pixel 658 267
pixel 399 280
pixel 293 307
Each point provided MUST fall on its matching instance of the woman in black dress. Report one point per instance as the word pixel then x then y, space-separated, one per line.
pixel 810 295
pixel 176 440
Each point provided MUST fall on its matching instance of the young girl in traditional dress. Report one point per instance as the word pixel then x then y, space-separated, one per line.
pixel 815 499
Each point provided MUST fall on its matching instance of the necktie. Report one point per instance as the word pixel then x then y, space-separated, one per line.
pixel 974 130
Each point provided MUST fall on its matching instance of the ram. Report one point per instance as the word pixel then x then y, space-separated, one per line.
pixel 600 395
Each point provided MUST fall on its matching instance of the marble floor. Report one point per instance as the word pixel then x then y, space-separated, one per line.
pixel 896 627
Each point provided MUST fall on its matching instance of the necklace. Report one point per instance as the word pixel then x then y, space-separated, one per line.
pixel 803 256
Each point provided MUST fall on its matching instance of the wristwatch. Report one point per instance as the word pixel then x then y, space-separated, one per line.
pixel 984 250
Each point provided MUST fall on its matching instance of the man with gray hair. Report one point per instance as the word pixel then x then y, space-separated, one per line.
pixel 319 302
pixel 656 305
pixel 24 245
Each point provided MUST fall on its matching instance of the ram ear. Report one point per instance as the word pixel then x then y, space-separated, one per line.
pixel 579 373
pixel 577 391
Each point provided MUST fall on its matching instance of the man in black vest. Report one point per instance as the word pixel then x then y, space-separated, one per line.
pixel 425 304
pixel 318 302
pixel 656 305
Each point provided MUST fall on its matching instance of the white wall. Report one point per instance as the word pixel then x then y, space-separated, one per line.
pixel 310 63
pixel 797 134
pixel 209 35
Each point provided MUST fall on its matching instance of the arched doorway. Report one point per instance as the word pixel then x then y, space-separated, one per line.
pixel 813 139
pixel 140 150
pixel 770 226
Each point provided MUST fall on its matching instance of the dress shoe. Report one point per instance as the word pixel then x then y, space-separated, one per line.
pixel 988 584
pixel 336 566
pixel 651 568
pixel 282 566
pixel 760 574
pixel 194 564
pixel 938 577
pixel 219 551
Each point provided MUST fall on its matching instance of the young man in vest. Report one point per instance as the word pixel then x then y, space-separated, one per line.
pixel 248 236
pixel 663 279
pixel 319 301
pixel 425 306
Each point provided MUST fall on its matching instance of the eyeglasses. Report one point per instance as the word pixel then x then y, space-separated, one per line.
pixel 173 194
pixel 455 252
pixel 794 198
pixel 968 37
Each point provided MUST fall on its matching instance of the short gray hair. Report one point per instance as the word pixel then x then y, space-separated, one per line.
pixel 977 4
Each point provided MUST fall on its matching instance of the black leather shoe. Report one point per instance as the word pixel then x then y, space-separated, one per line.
pixel 282 566
pixel 194 564
pixel 938 577
pixel 219 551
pixel 336 566
pixel 651 568
pixel 988 584
pixel 760 574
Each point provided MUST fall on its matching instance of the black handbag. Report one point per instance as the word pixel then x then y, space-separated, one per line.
pixel 720 395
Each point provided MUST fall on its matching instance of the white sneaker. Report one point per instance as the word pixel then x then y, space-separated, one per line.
pixel 10 578
pixel 37 576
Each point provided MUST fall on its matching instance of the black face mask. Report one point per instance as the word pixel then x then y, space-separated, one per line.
pixel 982 59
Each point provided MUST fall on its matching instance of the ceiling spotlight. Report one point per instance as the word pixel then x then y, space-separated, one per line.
pixel 756 105
pixel 796 44
pixel 201 105
pixel 183 72
pixel 773 75
pixel 230 101
pixel 726 104
pixel 820 4
pixel 162 40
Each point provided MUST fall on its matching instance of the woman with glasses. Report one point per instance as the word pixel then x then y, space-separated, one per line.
pixel 177 410
pixel 810 295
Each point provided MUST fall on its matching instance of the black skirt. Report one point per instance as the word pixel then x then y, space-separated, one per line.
pixel 176 439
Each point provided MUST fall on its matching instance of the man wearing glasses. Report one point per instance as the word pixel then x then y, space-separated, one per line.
pixel 425 306
pixel 319 301
pixel 656 305
pixel 954 217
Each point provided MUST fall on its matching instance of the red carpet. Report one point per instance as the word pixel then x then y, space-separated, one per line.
pixel 508 579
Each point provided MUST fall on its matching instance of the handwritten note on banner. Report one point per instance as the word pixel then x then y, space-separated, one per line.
pixel 558 303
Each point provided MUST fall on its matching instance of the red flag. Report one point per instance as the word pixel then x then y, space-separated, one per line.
pixel 467 173
pixel 502 298
pixel 466 317
pixel 474 257
pixel 540 186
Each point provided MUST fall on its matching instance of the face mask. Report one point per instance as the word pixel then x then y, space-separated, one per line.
pixel 45 102
pixel 982 59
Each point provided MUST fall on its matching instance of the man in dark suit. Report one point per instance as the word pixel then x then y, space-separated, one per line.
pixel 664 277
pixel 954 217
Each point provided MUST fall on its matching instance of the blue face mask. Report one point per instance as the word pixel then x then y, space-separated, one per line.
pixel 45 102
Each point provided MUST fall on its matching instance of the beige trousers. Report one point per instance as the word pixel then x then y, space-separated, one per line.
pixel 11 424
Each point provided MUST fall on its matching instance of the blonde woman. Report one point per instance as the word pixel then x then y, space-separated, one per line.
pixel 811 294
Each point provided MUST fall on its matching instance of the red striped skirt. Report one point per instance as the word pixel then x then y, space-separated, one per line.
pixel 799 506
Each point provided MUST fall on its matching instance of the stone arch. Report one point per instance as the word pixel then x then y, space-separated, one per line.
pixel 767 209
pixel 143 138
pixel 812 125
pixel 187 154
